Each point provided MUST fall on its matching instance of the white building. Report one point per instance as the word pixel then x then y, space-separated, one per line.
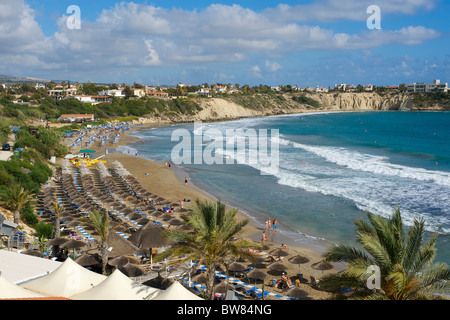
pixel 436 86
pixel 112 93
pixel 341 86
pixel 92 99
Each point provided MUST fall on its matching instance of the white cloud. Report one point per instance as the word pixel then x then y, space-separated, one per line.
pixel 272 66
pixel 336 10
pixel 129 36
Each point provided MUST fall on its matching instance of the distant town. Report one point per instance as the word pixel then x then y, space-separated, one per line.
pixel 106 93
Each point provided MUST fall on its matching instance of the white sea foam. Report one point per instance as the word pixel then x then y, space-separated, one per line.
pixel 371 163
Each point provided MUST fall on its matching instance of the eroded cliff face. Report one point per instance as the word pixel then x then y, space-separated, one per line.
pixel 229 108
pixel 363 101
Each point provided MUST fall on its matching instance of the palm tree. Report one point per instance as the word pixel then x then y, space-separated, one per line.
pixel 58 210
pixel 100 222
pixel 405 262
pixel 212 241
pixel 15 199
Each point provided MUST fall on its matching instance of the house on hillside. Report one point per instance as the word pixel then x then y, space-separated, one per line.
pixel 112 93
pixel 92 99
pixel 206 92
pixel 158 94
pixel 60 94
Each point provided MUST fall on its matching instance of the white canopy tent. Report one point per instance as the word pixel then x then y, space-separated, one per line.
pixel 18 268
pixel 9 290
pixel 67 280
pixel 176 291
pixel 118 287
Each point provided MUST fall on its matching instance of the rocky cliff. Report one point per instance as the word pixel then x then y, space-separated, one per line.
pixel 241 106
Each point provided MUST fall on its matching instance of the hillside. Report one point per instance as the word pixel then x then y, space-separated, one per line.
pixel 239 106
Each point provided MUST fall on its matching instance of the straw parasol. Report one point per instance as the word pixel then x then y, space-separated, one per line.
pixel 32 252
pixel 298 293
pixel 73 244
pixel 322 265
pixel 256 275
pixel 73 223
pixel 298 259
pixel 155 282
pixel 175 222
pixel 149 236
pixel 132 270
pixel 236 267
pixel 86 260
pixel 118 261
pixel 199 278
pixel 57 241
pixel 120 246
pixel 223 287
pixel 279 252
pixel 277 267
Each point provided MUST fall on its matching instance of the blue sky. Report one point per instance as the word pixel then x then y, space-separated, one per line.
pixel 305 43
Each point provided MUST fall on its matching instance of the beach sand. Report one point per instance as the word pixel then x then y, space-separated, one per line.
pixel 165 183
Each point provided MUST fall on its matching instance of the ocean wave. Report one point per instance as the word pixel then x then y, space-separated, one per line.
pixel 370 163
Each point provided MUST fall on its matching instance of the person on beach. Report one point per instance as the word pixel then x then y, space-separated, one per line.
pixel 269 224
pixel 185 180
pixel 275 223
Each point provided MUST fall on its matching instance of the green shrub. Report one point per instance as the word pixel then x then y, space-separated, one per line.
pixel 44 230
pixel 28 216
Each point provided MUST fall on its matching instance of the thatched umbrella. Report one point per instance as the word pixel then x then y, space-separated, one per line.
pixel 175 222
pixel 199 278
pixel 118 261
pixel 322 265
pixel 277 267
pixel 236 267
pixel 298 293
pixel 223 287
pixel 73 244
pixel 155 282
pixel 143 221
pixel 120 246
pixel 134 216
pixel 279 252
pixel 86 260
pixel 33 253
pixel 73 223
pixel 149 236
pixel 298 259
pixel 256 274
pixel 132 270
pixel 57 241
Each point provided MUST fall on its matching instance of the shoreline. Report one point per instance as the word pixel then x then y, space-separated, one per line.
pixel 169 183
pixel 254 229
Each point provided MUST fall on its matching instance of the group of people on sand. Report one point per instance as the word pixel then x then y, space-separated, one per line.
pixel 269 225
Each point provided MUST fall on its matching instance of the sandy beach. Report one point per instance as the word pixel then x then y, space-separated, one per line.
pixel 164 182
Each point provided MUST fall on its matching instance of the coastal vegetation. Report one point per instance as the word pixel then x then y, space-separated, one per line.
pixel 213 241
pixel 404 259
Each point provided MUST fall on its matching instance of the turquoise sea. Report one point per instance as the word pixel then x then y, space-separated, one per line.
pixel 332 168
